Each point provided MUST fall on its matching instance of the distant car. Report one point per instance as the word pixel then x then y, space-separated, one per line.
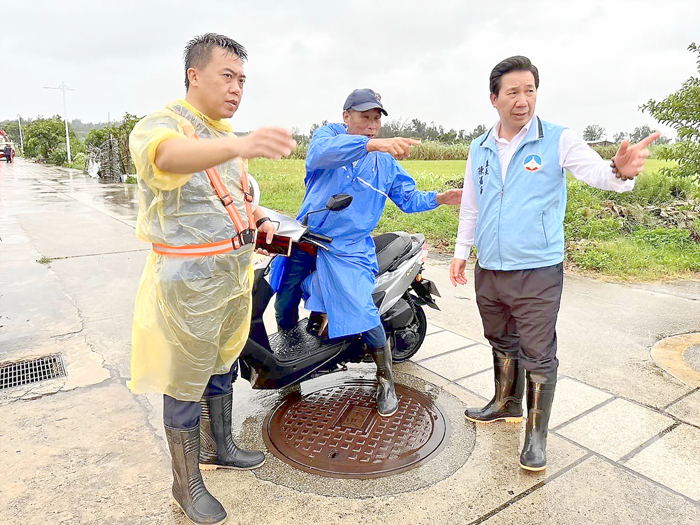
pixel 6 147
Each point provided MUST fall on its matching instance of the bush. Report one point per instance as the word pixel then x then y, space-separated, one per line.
pixel 652 188
pixel 660 188
pixel 58 156
pixel 300 151
pixel 607 152
pixel 78 161
pixel 663 237
pixel 589 257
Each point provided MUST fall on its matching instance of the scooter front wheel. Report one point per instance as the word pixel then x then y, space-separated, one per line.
pixel 408 340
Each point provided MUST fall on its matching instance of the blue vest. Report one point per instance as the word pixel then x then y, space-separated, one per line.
pixel 521 223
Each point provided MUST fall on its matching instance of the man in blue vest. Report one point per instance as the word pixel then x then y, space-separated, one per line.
pixel 513 212
pixel 349 158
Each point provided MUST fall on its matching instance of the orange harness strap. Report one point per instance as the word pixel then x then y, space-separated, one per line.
pixel 194 250
pixel 243 235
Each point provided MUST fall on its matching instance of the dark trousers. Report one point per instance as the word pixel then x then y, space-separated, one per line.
pixel 519 312
pixel 298 267
pixel 185 414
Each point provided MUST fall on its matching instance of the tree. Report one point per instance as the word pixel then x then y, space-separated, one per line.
pixel 594 132
pixel 639 133
pixel 298 135
pixel 419 128
pixel 46 139
pixel 620 136
pixel 478 131
pixel 681 111
pixel 396 128
pixel 315 126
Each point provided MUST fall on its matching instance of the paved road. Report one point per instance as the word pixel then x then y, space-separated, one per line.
pixel 624 445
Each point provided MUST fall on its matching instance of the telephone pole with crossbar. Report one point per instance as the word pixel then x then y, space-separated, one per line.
pixel 65 88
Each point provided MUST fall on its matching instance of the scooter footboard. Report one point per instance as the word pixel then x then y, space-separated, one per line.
pixel 264 369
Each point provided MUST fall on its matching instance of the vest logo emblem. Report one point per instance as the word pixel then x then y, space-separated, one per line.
pixel 532 162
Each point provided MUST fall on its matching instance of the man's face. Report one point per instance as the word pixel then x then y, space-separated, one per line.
pixel 367 123
pixel 219 85
pixel 516 99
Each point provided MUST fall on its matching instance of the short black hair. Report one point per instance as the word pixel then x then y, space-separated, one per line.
pixel 198 51
pixel 516 63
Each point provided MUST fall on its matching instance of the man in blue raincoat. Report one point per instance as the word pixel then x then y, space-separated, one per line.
pixel 348 158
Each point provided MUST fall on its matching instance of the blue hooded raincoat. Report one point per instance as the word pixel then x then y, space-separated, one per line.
pixel 344 279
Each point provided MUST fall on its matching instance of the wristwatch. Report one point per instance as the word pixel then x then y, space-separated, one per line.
pixel 262 221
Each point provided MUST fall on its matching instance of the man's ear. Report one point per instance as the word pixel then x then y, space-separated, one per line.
pixel 192 76
pixel 493 99
pixel 346 116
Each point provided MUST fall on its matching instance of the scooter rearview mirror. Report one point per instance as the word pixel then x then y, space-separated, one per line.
pixel 339 202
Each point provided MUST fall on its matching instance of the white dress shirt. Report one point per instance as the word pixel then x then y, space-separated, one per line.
pixel 574 155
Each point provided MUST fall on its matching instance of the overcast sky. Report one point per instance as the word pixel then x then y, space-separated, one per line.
pixel 598 60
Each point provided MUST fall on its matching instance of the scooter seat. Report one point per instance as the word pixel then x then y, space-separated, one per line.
pixel 390 247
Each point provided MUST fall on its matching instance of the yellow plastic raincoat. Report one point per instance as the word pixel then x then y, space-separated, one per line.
pixel 192 314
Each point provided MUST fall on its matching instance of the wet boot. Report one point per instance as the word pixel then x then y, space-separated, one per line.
pixel 189 491
pixel 539 408
pixel 507 403
pixel 318 325
pixel 387 402
pixel 218 449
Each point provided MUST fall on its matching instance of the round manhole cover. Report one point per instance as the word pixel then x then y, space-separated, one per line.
pixel 336 431
pixel 691 355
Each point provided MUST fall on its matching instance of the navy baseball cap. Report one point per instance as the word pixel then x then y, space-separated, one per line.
pixel 364 99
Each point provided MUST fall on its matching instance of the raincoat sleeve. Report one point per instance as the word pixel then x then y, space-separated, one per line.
pixel 330 150
pixel 403 191
pixel 144 140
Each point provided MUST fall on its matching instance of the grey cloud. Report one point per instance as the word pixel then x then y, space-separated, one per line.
pixel 598 59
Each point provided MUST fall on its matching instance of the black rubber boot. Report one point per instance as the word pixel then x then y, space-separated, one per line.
pixel 539 408
pixel 387 402
pixel 189 491
pixel 507 403
pixel 318 325
pixel 218 449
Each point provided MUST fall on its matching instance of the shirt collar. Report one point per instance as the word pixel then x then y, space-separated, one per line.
pixel 521 133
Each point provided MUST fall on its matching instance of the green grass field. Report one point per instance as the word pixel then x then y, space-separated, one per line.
pixel 611 247
pixel 282 189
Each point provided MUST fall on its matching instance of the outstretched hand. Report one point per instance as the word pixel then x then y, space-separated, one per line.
pixel 450 197
pixel 399 147
pixel 629 160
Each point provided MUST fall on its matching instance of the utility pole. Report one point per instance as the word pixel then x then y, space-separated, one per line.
pixel 21 137
pixel 65 88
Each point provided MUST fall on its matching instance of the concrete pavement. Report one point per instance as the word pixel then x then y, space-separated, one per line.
pixel 624 445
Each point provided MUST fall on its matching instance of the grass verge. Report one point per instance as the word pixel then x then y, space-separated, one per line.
pixel 629 247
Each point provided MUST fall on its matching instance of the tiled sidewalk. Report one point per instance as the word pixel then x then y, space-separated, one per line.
pixel 661 446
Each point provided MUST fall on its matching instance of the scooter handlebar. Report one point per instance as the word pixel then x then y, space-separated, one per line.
pixel 317 237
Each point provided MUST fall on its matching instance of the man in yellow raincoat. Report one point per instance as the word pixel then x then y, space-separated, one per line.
pixel 193 306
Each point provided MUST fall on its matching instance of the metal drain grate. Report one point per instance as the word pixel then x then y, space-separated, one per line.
pixel 31 371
